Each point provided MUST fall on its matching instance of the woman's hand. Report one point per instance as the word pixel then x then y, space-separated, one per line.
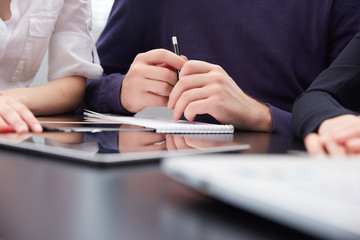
pixel 14 113
pixel 338 136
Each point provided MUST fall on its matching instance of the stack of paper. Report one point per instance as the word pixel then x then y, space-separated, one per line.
pixel 161 125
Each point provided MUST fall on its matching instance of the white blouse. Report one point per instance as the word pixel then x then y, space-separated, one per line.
pixel 61 26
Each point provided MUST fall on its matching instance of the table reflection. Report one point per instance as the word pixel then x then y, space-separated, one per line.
pixel 127 139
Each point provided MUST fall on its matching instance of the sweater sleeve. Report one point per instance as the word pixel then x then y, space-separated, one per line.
pixel 335 92
pixel 104 95
pixel 281 120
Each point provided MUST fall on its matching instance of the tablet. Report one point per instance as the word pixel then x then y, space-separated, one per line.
pixel 115 144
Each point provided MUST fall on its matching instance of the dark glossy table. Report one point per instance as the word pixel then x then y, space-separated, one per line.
pixel 48 198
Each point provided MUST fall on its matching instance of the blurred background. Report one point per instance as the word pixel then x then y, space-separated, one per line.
pixel 101 10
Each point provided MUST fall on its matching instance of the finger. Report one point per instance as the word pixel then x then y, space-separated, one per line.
pixel 314 145
pixel 152 99
pixel 170 143
pixel 154 147
pixel 342 135
pixel 158 87
pixel 186 83
pixel 28 117
pixel 150 138
pixel 187 98
pixel 141 148
pixel 2 122
pixel 159 56
pixel 159 73
pixel 180 143
pixel 207 105
pixel 335 149
pixel 12 118
pixel 196 67
pixel 136 141
pixel 184 57
pixel 164 65
pixel 198 107
pixel 170 67
pixel 198 143
pixel 353 145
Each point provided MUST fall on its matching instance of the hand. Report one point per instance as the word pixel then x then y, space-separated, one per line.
pixel 176 142
pixel 15 137
pixel 207 88
pixel 15 114
pixel 337 136
pixel 140 141
pixel 150 80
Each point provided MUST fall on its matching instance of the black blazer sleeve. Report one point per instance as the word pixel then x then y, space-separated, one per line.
pixel 336 91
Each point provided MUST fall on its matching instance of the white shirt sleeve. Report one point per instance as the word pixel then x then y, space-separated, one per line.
pixel 71 50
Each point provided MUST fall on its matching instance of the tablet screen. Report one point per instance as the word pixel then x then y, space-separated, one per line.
pixel 113 143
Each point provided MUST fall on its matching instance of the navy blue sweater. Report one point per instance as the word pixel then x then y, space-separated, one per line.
pixel 272 49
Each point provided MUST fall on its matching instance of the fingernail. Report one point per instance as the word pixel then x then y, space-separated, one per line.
pixel 37 128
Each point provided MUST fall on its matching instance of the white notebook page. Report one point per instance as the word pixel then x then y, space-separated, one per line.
pixel 161 125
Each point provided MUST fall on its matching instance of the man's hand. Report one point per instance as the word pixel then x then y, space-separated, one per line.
pixel 204 88
pixel 150 79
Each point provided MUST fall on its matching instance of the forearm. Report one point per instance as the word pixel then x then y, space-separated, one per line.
pixel 308 116
pixel 333 92
pixel 56 97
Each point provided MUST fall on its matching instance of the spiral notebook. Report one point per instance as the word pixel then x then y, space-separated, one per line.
pixel 161 125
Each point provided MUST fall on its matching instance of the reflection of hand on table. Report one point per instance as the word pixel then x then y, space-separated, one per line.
pixel 140 141
pixel 62 137
pixel 58 121
pixel 70 138
pixel 15 137
pixel 178 142
pixel 53 121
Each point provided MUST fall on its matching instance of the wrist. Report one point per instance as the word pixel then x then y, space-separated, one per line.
pixel 256 118
pixel 123 100
pixel 263 120
pixel 18 94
